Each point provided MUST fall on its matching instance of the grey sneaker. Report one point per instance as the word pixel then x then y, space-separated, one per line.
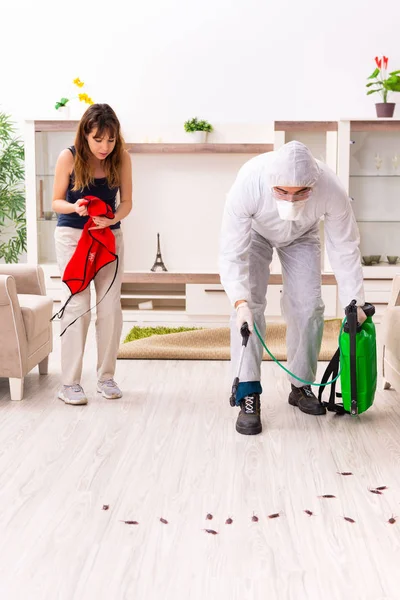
pixel 72 394
pixel 109 389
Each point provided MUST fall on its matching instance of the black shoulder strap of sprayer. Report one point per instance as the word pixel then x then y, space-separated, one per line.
pixel 332 370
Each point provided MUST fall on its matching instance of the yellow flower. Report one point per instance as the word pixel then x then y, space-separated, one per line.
pixel 78 82
pixel 85 98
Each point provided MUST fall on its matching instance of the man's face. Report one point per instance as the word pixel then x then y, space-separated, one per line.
pixel 291 194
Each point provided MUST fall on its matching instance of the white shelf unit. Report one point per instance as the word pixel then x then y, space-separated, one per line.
pixel 164 175
pixel 369 168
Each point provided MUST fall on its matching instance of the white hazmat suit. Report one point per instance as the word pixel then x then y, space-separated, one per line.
pixel 252 227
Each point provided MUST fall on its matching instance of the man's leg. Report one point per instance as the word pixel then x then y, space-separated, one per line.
pixel 303 309
pixel 249 390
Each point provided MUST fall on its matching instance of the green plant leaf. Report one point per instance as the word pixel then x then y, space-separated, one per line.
pixel 12 198
pixel 197 125
pixel 372 92
pixel 373 83
pixel 374 74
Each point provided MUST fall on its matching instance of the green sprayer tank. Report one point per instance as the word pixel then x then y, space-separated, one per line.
pixel 358 360
pixel 356 356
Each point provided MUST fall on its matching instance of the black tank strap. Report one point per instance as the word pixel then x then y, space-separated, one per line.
pixel 332 370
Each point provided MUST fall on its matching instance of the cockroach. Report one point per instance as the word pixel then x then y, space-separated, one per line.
pixel 106 506
pixel 164 521
pixel 345 473
pixel 229 521
pixel 392 520
pixel 308 512
pixel 349 519
pixel 375 492
pixel 254 518
pixel 381 487
pixel 327 496
pixel 274 516
pixel 130 522
pixel 209 517
pixel 212 531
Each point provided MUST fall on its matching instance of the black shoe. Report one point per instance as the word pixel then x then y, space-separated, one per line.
pixel 306 400
pixel 249 421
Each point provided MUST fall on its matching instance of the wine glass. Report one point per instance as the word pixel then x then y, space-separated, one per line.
pixel 378 161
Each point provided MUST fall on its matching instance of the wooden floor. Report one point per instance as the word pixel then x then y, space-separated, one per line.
pixel 169 449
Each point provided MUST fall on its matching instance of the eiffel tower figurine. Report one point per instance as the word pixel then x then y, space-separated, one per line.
pixel 158 263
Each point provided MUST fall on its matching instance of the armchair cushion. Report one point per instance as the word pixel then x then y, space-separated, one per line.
pixel 36 314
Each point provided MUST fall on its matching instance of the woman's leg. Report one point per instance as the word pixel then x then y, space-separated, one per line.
pixel 74 339
pixel 109 313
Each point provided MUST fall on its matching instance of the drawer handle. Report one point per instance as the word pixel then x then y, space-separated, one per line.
pixel 215 291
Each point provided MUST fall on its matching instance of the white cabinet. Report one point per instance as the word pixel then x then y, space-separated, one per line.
pixel 369 167
pixel 44 140
pixel 210 300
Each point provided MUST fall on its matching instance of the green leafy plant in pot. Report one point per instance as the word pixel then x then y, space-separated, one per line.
pixel 198 130
pixel 12 193
pixel 384 83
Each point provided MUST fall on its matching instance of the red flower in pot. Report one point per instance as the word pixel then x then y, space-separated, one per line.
pixel 383 83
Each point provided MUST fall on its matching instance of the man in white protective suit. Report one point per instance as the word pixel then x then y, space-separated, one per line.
pixel 277 201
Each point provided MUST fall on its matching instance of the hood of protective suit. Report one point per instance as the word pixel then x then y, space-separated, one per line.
pixel 293 166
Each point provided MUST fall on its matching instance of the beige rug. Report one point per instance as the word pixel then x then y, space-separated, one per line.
pixel 213 344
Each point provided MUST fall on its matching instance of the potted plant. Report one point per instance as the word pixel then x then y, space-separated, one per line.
pixel 384 83
pixel 62 106
pixel 198 130
pixel 12 196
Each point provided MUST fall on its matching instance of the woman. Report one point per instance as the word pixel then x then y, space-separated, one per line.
pixel 97 165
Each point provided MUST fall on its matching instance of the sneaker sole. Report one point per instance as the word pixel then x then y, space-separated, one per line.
pixel 318 411
pixel 115 397
pixel 78 403
pixel 248 431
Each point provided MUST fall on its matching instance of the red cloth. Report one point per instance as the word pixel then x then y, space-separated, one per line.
pixel 95 249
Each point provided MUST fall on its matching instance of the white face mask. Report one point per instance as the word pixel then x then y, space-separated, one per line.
pixel 290 211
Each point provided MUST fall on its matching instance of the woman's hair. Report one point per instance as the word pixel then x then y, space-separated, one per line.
pixel 102 119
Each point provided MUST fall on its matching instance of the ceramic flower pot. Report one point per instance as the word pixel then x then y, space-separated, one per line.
pixel 385 109
pixel 63 112
pixel 198 137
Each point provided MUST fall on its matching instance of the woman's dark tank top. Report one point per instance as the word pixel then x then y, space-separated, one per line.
pixel 99 188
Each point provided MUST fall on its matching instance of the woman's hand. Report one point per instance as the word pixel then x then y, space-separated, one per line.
pixel 102 222
pixel 81 207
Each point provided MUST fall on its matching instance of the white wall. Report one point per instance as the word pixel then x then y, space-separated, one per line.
pixel 224 60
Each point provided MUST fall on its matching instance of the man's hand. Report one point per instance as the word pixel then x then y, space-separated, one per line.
pixel 243 315
pixel 361 316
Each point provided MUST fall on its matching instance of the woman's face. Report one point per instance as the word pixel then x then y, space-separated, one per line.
pixel 101 146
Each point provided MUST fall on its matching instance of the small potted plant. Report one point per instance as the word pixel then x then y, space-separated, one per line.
pixel 62 106
pixel 384 83
pixel 198 130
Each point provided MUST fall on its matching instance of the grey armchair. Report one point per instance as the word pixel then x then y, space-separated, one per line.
pixel 25 327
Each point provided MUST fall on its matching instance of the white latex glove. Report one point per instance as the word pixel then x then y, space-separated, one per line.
pixel 361 316
pixel 243 315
